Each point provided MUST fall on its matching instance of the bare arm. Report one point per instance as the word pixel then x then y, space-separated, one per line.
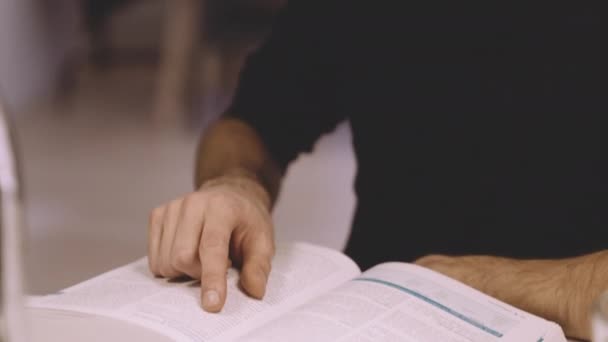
pixel 560 290
pixel 230 147
pixel 225 221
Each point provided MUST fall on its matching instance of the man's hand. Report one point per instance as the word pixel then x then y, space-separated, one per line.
pixel 199 235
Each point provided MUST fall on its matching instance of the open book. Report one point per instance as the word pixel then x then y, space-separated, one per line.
pixel 313 294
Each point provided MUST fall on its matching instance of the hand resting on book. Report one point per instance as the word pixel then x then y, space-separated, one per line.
pixel 199 235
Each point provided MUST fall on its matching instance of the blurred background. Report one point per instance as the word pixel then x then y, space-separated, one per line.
pixel 109 97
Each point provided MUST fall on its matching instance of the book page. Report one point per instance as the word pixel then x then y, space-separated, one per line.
pixel 300 272
pixel 402 302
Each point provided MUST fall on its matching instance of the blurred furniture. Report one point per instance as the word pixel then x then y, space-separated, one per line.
pixel 96 14
pixel 227 30
pixel 181 28
pixel 203 43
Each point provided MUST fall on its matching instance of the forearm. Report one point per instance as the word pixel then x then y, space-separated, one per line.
pixel 547 288
pixel 563 290
pixel 230 147
pixel 559 290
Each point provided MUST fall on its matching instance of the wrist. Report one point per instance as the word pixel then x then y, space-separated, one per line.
pixel 245 180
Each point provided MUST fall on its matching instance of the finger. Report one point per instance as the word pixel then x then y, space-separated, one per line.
pixel 169 227
pixel 184 253
pixel 257 259
pixel 214 247
pixel 155 230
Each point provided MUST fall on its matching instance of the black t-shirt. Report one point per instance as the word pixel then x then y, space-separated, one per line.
pixel 478 128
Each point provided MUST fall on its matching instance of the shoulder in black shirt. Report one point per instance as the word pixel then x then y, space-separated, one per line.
pixel 478 130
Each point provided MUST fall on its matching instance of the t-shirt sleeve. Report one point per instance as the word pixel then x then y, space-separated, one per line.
pixel 287 90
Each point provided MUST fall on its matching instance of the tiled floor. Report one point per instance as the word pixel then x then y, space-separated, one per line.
pixel 94 165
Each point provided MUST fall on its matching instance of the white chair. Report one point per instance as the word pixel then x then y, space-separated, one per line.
pixel 11 272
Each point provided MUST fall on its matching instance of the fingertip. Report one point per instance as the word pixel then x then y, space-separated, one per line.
pixel 253 281
pixel 212 300
pixel 213 291
pixel 154 270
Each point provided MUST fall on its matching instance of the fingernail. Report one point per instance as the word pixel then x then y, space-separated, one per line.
pixel 211 299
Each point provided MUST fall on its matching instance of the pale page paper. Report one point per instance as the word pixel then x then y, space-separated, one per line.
pixel 300 272
pixel 401 302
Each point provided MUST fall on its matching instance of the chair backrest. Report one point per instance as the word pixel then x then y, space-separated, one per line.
pixel 11 272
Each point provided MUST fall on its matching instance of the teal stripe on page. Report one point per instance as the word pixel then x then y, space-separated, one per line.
pixel 437 305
